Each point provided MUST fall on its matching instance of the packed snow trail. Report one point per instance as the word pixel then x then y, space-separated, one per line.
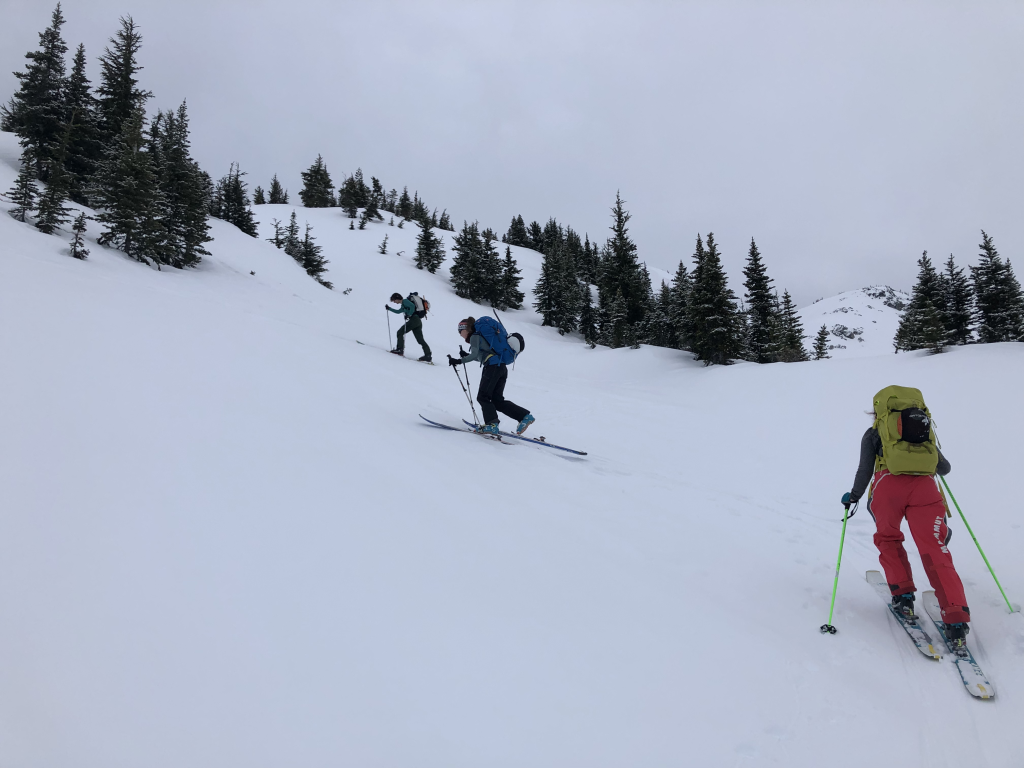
pixel 225 542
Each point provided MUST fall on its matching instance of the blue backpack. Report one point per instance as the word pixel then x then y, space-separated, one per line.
pixel 494 334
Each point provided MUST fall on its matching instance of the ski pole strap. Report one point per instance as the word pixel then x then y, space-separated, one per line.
pixel 968 527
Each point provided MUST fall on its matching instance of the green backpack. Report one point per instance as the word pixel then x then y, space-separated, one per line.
pixel 905 427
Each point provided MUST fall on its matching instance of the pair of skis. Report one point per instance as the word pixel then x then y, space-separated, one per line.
pixel 973 678
pixel 471 428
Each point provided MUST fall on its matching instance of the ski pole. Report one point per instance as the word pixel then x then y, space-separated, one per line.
pixel 464 390
pixel 389 327
pixel 968 526
pixel 827 628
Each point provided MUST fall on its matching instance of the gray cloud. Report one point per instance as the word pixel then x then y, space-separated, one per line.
pixel 845 137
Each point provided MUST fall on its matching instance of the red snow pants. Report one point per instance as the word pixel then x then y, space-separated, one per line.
pixel 917 498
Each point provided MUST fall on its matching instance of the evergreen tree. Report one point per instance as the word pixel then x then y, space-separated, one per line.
pixel 78 249
pixel 128 189
pixel 36 112
pixel 430 253
pixel 923 323
pixel 391 203
pixel 763 324
pixel 821 344
pixel 587 264
pixel 517 234
pixel 84 151
pixel 383 247
pixel 404 205
pixel 362 220
pixel 959 303
pixel 52 211
pixel 292 244
pixel 997 294
pixel 658 330
pixel 120 98
pixel 257 197
pixel 371 209
pixel 278 238
pixel 588 316
pixel 509 295
pixel 621 271
pixel 231 202
pixel 679 301
pixel 476 269
pixel 791 347
pixel 278 195
pixel 536 239
pixel 311 258
pixel 445 222
pixel 615 326
pixel 24 192
pixel 714 319
pixel 317 187
pixel 362 192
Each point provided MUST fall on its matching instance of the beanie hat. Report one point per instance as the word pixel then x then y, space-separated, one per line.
pixel 467 325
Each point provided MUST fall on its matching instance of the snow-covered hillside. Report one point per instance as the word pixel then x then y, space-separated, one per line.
pixel 228 540
pixel 861 323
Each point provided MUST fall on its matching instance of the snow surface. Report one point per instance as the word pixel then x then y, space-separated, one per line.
pixel 228 540
pixel 861 323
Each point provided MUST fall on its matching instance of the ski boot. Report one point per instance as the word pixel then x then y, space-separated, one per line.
pixel 956 634
pixel 487 429
pixel 399 352
pixel 904 605
pixel 425 359
pixel 526 422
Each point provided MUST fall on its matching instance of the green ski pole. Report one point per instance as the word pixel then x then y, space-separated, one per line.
pixel 968 526
pixel 827 628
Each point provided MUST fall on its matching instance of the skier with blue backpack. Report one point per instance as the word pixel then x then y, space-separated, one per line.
pixel 494 349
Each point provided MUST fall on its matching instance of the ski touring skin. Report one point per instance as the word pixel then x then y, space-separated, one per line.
pixel 538 441
pixel 912 627
pixel 975 681
pixel 460 429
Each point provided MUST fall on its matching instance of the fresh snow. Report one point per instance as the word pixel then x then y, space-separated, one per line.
pixel 228 539
pixel 861 323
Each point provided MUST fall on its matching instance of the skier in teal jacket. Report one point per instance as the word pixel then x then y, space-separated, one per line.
pixel 412 323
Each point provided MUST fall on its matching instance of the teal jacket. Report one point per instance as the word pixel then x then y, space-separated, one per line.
pixel 408 308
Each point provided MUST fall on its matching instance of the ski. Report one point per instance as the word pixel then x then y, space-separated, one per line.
pixel 913 626
pixel 460 429
pixel 364 344
pixel 537 441
pixel 974 679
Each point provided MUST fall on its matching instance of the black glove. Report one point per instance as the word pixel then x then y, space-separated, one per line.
pixel 452 361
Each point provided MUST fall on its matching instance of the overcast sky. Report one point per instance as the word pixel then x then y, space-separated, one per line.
pixel 844 137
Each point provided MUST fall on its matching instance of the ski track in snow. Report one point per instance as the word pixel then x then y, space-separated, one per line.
pixel 228 539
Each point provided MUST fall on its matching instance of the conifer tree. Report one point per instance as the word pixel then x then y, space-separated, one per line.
pixel 312 259
pixel 621 271
pixel 588 316
pixel 615 330
pixel 278 195
pixel 791 347
pixel 120 98
pixel 430 253
pixel 78 249
pixel 509 295
pixel 762 346
pixel 923 322
pixel 445 222
pixel 587 264
pixel 362 220
pixel 383 247
pixel 679 301
pixel 258 197
pixel 24 192
pixel 36 112
pixel 128 190
pixel 372 211
pixel 317 187
pixel 278 238
pixel 959 303
pixel 517 234
pixel 231 202
pixel 821 344
pixel 362 192
pixel 404 205
pixel 51 210
pixel 997 294
pixel 292 244
pixel 714 320
pixel 85 150
pixel 658 329
pixel 476 269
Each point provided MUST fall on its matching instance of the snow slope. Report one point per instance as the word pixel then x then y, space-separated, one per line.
pixel 861 323
pixel 227 539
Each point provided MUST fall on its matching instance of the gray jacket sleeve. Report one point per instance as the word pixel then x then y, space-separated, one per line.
pixel 478 349
pixel 870 447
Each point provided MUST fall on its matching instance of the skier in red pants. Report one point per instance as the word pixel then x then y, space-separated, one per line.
pixel 917 498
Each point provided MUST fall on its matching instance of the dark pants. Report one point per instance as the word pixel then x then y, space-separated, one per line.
pixel 415 325
pixel 491 395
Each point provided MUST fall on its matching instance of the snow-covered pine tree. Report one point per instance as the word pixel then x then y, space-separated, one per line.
pixel 78 249
pixel 791 341
pixel 470 273
pixel 51 211
pixel 120 99
pixel 658 329
pixel 509 295
pixel 558 293
pixel 917 329
pixel 383 247
pixel 587 263
pixel 36 111
pixel 680 290
pixel 312 259
pixel 517 234
pixel 231 202
pixel 278 194
pixel 714 319
pixel 959 303
pixel 128 190
pixel 763 324
pixel 292 244
pixel 621 271
pixel 24 192
pixel 615 326
pixel 317 187
pixel 821 344
pixel 258 197
pixel 999 306
pixel 430 253
pixel 85 151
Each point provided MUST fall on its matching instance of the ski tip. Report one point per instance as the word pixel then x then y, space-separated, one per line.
pixel 981 691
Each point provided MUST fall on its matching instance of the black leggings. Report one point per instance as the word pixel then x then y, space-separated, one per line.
pixel 491 395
